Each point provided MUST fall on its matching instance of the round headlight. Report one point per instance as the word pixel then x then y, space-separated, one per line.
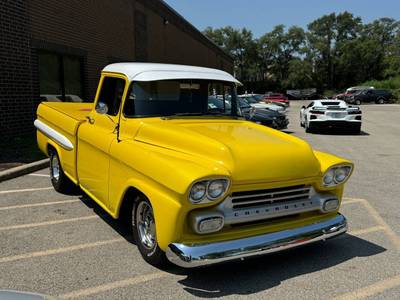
pixel 329 177
pixel 198 192
pixel 216 188
pixel 341 174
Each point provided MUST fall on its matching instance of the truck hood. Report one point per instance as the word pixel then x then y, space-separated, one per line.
pixel 249 152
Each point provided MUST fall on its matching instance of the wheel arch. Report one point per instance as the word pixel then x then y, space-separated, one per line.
pixel 127 201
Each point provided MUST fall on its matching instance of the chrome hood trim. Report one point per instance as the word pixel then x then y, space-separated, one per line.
pixel 195 255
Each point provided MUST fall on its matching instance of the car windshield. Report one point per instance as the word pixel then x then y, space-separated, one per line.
pixel 251 100
pixel 181 98
pixel 244 104
pixel 258 97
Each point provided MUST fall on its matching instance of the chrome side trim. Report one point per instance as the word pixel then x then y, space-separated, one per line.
pixel 54 135
pixel 194 255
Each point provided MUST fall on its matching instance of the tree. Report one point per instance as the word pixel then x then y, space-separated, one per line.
pixel 238 43
pixel 336 51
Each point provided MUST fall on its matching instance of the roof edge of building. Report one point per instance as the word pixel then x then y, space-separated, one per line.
pixel 200 35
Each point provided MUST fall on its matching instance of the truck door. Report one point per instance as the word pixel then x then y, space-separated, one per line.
pixel 96 135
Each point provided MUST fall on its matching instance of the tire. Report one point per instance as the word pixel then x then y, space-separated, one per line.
pixel 381 100
pixel 144 233
pixel 357 102
pixel 308 127
pixel 59 180
pixel 301 123
pixel 356 130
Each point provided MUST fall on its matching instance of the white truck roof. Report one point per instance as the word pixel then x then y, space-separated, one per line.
pixel 155 71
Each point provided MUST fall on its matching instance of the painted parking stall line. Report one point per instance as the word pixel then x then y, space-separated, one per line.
pixel 31 225
pixel 39 175
pixel 114 285
pixel 26 190
pixel 60 250
pixel 39 204
pixel 371 290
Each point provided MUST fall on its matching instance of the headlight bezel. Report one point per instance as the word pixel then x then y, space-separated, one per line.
pixel 207 198
pixel 334 181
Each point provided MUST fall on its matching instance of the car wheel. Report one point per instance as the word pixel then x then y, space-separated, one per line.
pixel 380 100
pixel 356 130
pixel 59 180
pixel 144 232
pixel 357 102
pixel 309 128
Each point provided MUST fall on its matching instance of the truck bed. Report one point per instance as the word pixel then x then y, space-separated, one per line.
pixel 77 111
pixel 57 125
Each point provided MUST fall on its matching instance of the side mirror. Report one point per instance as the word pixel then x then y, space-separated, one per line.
pixel 303 107
pixel 101 108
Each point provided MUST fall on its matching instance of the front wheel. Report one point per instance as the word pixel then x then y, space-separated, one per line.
pixel 357 102
pixel 144 231
pixel 380 100
pixel 59 180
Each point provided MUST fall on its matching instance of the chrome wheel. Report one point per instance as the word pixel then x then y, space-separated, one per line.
pixel 55 168
pixel 145 225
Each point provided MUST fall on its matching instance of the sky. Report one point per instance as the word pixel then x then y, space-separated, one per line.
pixel 262 15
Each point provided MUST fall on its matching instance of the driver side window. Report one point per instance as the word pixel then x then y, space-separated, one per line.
pixel 310 105
pixel 111 93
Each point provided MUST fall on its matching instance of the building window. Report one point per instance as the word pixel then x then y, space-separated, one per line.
pixel 60 77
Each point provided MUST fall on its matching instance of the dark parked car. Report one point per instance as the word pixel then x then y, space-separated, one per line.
pixel 265 117
pixel 371 95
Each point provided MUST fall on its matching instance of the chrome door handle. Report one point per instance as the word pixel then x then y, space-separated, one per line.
pixel 90 119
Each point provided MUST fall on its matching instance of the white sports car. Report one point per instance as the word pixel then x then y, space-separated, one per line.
pixel 335 114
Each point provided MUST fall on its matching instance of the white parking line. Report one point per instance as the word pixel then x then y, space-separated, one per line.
pixel 351 200
pixel 39 175
pixel 39 204
pixel 388 230
pixel 371 290
pixel 26 190
pixel 59 250
pixel 31 225
pixel 114 285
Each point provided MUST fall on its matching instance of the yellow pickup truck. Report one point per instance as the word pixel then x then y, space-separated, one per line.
pixel 166 147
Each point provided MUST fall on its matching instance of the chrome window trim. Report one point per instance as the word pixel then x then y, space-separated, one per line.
pixel 54 135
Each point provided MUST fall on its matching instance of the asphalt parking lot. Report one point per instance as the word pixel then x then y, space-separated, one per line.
pixel 66 246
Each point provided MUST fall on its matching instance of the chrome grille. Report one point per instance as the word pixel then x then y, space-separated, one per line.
pixel 259 205
pixel 271 196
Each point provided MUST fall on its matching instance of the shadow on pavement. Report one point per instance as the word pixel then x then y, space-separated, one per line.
pixel 261 273
pixel 339 132
pixel 119 226
pixel 265 272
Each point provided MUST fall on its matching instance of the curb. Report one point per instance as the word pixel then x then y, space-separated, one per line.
pixel 24 169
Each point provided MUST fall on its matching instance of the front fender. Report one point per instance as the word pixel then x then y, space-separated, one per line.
pixel 163 176
pixel 327 161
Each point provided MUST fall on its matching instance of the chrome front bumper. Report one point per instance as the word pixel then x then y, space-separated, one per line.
pixel 195 255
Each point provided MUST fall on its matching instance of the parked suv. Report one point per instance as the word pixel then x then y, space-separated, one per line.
pixel 371 95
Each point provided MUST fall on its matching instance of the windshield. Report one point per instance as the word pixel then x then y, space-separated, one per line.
pixel 244 104
pixel 181 97
pixel 251 100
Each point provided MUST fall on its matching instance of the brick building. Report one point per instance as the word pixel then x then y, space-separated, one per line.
pixel 54 50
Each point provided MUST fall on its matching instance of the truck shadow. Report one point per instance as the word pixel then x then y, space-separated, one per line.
pixel 261 273
pixel 265 272
pixel 118 225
